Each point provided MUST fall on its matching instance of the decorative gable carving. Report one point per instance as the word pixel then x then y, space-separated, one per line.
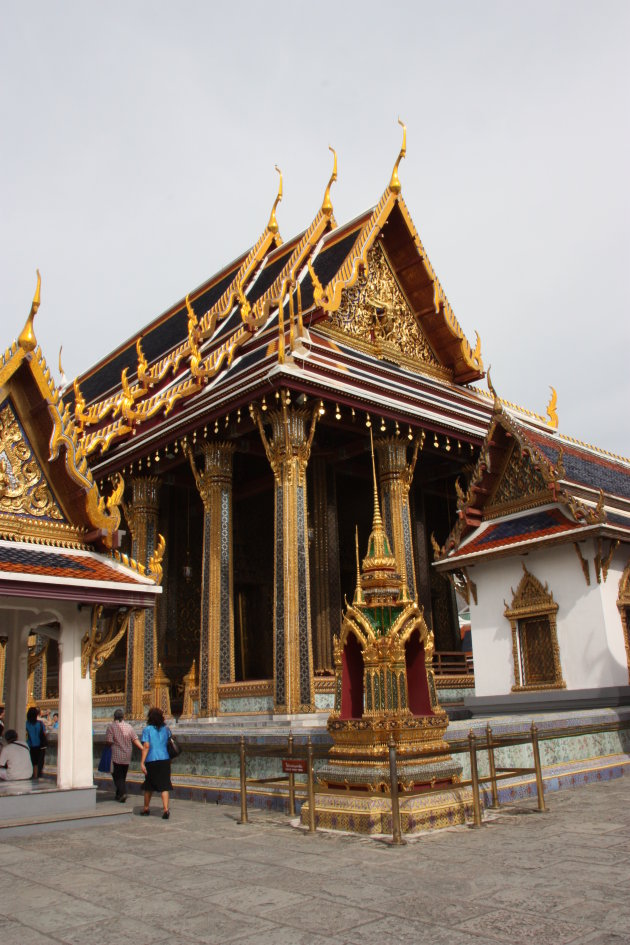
pixel 375 313
pixel 520 486
pixel 24 490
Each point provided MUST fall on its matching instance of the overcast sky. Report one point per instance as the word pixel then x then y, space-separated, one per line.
pixel 138 142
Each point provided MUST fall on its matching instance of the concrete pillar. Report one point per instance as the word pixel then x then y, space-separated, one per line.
pixel 216 657
pixel 74 748
pixel 17 673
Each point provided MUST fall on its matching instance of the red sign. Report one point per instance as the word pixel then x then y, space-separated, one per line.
pixel 294 765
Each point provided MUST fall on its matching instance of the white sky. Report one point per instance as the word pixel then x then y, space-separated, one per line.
pixel 138 142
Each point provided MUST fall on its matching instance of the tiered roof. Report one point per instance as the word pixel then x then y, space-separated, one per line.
pixel 48 496
pixel 533 485
pixel 278 313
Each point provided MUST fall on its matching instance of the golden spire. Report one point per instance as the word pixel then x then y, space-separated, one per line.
pixel 358 591
pixel 27 340
pixel 327 207
pixel 377 522
pixel 394 184
pixel 552 413
pixel 272 226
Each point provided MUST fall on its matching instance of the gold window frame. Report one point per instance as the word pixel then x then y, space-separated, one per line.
pixel 533 600
pixel 623 606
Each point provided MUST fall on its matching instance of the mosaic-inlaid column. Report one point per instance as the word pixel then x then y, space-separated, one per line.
pixel 395 476
pixel 216 656
pixel 142 518
pixel 288 451
pixel 326 588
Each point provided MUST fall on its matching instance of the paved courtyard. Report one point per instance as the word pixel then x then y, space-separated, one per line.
pixel 547 879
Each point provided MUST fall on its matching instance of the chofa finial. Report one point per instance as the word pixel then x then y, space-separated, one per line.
pixel 394 184
pixel 552 411
pixel 327 207
pixel 272 226
pixel 27 339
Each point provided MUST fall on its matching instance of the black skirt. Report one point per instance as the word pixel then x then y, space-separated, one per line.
pixel 158 777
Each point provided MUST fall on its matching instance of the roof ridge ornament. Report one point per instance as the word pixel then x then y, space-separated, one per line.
pixel 27 340
pixel 394 184
pixel 327 207
pixel 497 400
pixel 272 226
pixel 552 412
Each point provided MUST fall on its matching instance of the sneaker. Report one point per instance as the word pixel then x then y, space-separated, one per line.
pixel 166 815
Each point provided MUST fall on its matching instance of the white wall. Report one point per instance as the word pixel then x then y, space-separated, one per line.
pixel 590 638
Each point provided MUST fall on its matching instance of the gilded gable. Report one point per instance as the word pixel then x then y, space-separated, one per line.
pixel 376 314
pixel 520 485
pixel 24 490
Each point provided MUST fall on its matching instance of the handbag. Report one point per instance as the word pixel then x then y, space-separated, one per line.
pixel 43 738
pixel 173 748
pixel 105 764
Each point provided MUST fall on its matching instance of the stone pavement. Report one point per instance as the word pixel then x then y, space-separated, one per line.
pixel 548 879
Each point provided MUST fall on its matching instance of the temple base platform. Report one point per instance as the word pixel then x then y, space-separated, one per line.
pixel 372 813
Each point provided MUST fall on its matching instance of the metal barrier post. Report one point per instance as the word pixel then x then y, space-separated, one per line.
pixel 397 837
pixel 311 786
pixel 540 789
pixel 291 781
pixel 493 771
pixel 243 819
pixel 474 776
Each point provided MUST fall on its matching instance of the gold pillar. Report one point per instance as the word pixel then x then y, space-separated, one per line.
pixel 326 584
pixel 288 452
pixel 142 518
pixel 395 476
pixel 216 656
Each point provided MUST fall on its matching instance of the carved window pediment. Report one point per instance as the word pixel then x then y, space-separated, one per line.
pixel 535 649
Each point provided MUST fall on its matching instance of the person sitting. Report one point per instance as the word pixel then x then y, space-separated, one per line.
pixel 15 759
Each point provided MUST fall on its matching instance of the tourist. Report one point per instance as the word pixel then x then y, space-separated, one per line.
pixel 121 736
pixel 156 764
pixel 36 737
pixel 55 720
pixel 15 759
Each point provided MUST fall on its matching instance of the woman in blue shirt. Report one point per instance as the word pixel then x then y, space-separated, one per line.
pixel 36 738
pixel 156 764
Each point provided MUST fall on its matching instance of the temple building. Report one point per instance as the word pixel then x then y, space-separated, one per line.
pixel 240 422
pixel 66 593
pixel 541 551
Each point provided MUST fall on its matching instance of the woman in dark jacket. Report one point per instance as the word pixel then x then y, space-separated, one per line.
pixel 36 738
pixel 156 764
